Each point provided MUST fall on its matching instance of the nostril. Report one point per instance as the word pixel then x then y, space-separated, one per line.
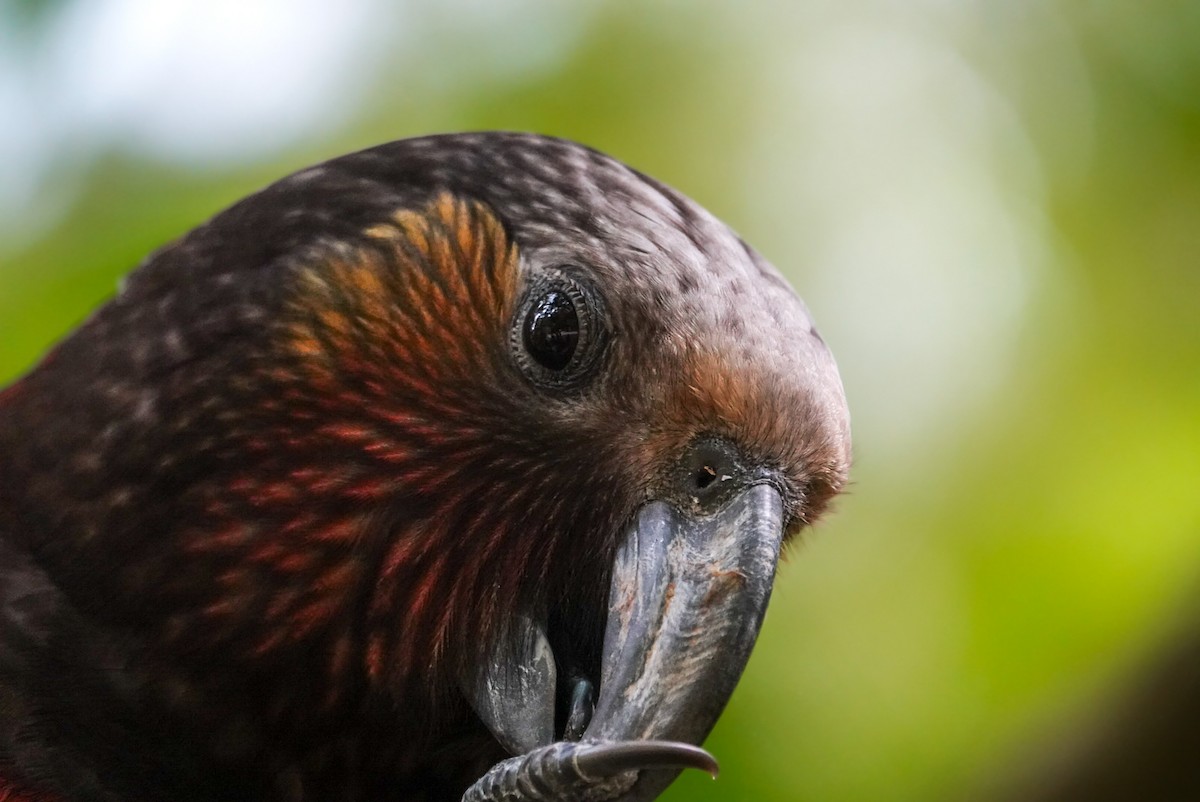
pixel 705 477
pixel 711 469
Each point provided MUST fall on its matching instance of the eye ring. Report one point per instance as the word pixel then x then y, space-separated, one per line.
pixel 558 334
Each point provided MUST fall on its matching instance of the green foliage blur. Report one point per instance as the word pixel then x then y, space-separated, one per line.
pixel 991 208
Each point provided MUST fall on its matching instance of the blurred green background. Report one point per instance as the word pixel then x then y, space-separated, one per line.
pixel 991 207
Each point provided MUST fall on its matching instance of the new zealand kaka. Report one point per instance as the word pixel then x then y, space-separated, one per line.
pixel 452 450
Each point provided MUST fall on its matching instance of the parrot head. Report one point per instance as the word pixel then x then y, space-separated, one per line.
pixel 458 448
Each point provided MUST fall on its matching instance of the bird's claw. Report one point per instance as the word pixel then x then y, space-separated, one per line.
pixel 587 771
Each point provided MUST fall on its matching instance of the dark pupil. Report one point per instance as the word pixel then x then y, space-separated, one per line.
pixel 552 330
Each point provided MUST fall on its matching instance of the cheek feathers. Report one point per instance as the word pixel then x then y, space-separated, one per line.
pixel 367 399
pixel 425 295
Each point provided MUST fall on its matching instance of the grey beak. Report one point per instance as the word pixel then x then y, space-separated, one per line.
pixel 687 599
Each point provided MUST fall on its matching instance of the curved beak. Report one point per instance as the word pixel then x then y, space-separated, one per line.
pixel 687 599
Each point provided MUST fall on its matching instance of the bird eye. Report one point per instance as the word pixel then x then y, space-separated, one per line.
pixel 558 334
pixel 551 330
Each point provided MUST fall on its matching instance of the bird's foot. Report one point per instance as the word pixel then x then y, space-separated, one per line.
pixel 583 771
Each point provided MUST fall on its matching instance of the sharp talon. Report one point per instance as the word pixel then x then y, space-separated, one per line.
pixel 583 702
pixel 603 760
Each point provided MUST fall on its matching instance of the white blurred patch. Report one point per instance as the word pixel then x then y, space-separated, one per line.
pixel 209 79
pixel 915 200
pixel 215 83
pixel 200 82
pixel 25 139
